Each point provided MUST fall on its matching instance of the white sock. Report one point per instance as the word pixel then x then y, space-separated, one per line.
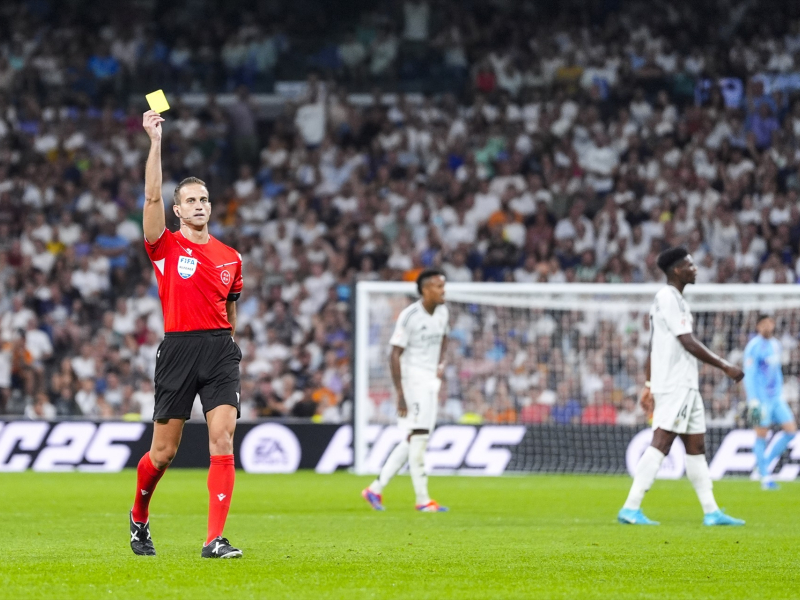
pixel 393 464
pixel 416 464
pixel 698 473
pixel 646 472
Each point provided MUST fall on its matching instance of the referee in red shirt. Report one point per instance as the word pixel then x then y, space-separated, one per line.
pixel 199 281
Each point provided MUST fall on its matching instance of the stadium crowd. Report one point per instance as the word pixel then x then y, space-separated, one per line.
pixel 566 153
pixel 527 365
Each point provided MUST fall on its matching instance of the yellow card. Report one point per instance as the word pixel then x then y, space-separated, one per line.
pixel 157 101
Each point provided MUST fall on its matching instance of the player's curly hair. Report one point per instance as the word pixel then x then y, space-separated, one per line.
pixel 176 195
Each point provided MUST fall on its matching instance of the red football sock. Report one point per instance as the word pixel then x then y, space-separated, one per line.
pixel 221 474
pixel 147 477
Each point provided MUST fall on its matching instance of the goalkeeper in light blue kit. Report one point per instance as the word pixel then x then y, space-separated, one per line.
pixel 763 382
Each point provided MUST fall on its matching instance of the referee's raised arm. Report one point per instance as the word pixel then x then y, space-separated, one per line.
pixel 153 218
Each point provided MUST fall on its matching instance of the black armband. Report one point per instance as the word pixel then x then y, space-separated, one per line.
pixel 234 297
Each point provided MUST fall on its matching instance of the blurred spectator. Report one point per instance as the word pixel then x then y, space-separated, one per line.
pixel 41 409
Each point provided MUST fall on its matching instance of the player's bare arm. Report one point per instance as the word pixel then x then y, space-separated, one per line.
pixel 230 307
pixel 442 350
pixel 699 350
pixel 153 218
pixel 679 275
pixel 394 364
pixel 646 400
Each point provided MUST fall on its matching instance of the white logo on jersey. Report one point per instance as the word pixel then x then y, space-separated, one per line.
pixel 188 251
pixel 225 276
pixel 186 266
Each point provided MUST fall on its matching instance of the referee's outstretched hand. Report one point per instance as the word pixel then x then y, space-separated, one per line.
pixel 151 121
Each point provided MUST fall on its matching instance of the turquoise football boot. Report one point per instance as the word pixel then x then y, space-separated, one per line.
pixel 720 518
pixel 628 516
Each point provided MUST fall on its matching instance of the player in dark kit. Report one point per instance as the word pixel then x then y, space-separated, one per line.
pixel 199 281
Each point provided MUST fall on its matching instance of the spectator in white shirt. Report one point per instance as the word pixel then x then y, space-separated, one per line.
pixel 460 232
pixel 41 230
pixel 641 110
pixel 42 259
pixel 780 61
pixel 773 271
pixel 311 228
pixel 567 228
pixel 87 281
pixel 417 19
pixel 318 283
pixel 84 364
pixel 245 185
pixel 310 120
pixel 124 319
pixel 275 155
pixel 16 319
pixel 506 178
pixel 637 249
pixel 352 54
pixel 781 212
pixel 707 269
pixel 528 272
pixel 114 393
pixel 456 269
pixel 383 53
pixel 68 231
pixel 724 235
pixel 273 349
pixel 37 342
pixel 41 409
pixel 145 399
pixel 600 160
pixel 142 303
pixel 87 399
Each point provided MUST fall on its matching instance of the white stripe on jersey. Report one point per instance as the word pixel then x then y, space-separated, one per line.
pixel 420 334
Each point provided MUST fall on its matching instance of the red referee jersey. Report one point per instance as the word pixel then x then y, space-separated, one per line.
pixel 194 281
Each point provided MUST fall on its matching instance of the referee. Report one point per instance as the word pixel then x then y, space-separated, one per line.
pixel 199 281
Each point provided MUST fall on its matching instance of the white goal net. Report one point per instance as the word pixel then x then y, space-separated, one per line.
pixel 562 364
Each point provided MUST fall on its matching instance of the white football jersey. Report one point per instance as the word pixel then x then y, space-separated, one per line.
pixel 671 366
pixel 420 334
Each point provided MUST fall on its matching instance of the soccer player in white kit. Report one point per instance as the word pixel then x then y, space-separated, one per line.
pixel 418 345
pixel 672 393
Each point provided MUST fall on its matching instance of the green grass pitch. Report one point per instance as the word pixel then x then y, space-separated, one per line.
pixel 312 536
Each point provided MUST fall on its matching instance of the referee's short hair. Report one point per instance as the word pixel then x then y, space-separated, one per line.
pixel 176 195
pixel 425 275
pixel 671 257
pixel 762 316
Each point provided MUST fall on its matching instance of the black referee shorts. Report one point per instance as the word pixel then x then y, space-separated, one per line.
pixel 196 362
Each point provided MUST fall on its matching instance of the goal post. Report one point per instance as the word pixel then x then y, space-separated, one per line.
pixel 557 361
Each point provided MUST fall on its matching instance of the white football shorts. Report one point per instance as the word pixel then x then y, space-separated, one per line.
pixel 421 391
pixel 680 411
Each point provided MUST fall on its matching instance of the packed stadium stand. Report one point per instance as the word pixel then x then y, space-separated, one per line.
pixel 501 143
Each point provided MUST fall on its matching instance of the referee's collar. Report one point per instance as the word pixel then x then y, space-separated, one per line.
pixel 210 237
